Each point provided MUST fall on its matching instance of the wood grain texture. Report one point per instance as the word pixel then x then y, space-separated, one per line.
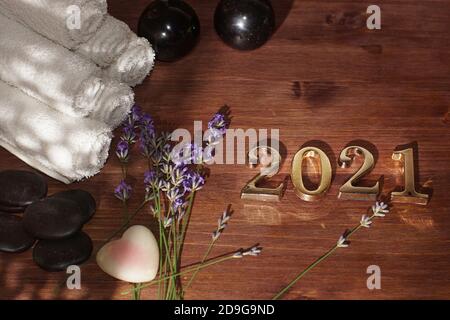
pixel 324 78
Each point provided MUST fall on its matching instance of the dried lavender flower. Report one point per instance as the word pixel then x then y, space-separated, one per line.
pixel 122 151
pixel 135 115
pixel 174 194
pixel 146 144
pixel 218 123
pixel 189 153
pixel 366 221
pixel 146 120
pixel 129 134
pixel 342 242
pixel 152 180
pixel 178 175
pixel 123 191
pixel 193 182
pixel 167 222
pixel 253 251
pixel 221 225
pixel 380 209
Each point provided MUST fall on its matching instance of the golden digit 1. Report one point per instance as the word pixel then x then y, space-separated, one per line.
pixel 409 194
pixel 297 175
pixel 266 156
pixel 349 191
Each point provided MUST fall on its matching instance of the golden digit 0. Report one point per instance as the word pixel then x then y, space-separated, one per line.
pixel 409 194
pixel 349 191
pixel 297 176
pixel 270 160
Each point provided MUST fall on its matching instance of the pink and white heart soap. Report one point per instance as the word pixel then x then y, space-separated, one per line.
pixel 133 258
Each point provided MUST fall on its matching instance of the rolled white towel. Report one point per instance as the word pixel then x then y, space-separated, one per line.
pixel 134 65
pixel 58 77
pixel 108 43
pixel 57 19
pixel 123 55
pixel 63 147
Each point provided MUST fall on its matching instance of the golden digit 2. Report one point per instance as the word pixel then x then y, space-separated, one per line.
pixel 297 175
pixel 270 159
pixel 349 191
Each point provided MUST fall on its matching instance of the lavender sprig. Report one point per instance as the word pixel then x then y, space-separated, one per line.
pixel 222 223
pixel 241 253
pixel 253 251
pixel 379 209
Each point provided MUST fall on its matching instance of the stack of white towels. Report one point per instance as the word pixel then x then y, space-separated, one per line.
pixel 66 68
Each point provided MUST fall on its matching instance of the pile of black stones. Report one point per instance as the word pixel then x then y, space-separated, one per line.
pixel 50 224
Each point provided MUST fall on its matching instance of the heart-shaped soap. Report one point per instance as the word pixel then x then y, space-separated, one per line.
pixel 133 258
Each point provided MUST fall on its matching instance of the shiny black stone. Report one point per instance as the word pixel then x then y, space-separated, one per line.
pixel 57 255
pixel 244 24
pixel 19 189
pixel 13 237
pixel 53 218
pixel 171 26
pixel 83 198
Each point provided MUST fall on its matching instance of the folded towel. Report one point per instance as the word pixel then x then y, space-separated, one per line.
pixel 58 77
pixel 56 19
pixel 63 147
pixel 118 50
pixel 134 65
pixel 108 43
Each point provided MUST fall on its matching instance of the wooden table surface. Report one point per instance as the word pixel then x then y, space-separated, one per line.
pixel 323 79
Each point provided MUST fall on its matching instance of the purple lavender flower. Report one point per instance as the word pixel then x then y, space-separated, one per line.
pixel 150 177
pixel 123 191
pixel 146 120
pixel 147 126
pixel 128 133
pixel 147 143
pixel 178 174
pixel 148 130
pixel 191 153
pixel 193 182
pixel 167 222
pixel 122 151
pixel 196 154
pixel 152 180
pixel 177 204
pixel 144 146
pixel 175 194
pixel 152 184
pixel 135 115
pixel 218 123
pixel 217 128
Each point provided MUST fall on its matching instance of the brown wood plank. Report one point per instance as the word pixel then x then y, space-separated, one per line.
pixel 322 77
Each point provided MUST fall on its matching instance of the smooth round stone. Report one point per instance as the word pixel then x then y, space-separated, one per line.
pixel 172 27
pixel 244 24
pixel 53 218
pixel 57 255
pixel 13 237
pixel 133 258
pixel 83 198
pixel 21 188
